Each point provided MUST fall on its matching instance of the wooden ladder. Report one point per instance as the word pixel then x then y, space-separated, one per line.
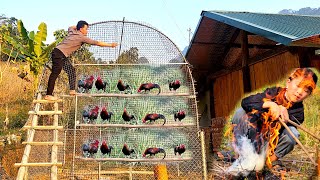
pixel 31 130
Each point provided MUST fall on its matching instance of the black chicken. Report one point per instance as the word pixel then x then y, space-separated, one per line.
pixel 126 116
pixel 153 117
pixel 100 84
pixel 148 86
pixel 105 149
pixel 85 115
pixel 126 151
pixel 174 85
pixel 93 147
pixel 179 115
pixel 179 149
pixel 80 85
pixel 85 150
pixel 93 114
pixel 105 115
pixel 154 151
pixel 123 87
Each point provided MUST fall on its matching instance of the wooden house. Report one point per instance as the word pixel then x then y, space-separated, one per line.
pixel 233 53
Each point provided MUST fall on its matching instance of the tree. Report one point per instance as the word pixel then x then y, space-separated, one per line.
pixel 130 56
pixel 29 47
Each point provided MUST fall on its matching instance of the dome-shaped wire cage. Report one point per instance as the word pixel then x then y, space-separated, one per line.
pixel 143 55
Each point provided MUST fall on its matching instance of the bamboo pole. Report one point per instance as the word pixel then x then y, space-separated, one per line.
pixel 297 140
pixel 36 165
pixel 45 101
pixel 304 129
pixel 53 143
pixel 203 151
pixel 130 95
pixel 42 127
pixel 44 112
pixel 54 150
pixel 160 172
pixel 138 126
pixel 135 160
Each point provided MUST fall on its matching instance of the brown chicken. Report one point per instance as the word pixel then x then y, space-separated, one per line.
pixel 100 85
pixel 126 116
pixel 123 87
pixel 174 85
pixel 179 149
pixel 126 151
pixel 93 147
pixel 105 115
pixel 105 149
pixel 153 151
pixel 148 86
pixel 153 117
pixel 93 114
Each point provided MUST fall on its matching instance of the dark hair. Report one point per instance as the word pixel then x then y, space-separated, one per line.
pixel 309 77
pixel 81 24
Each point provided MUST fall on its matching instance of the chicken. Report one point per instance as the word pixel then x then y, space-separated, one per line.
pixel 153 117
pixel 88 83
pixel 126 117
pixel 105 149
pixel 179 149
pixel 85 115
pixel 123 87
pixel 93 147
pixel 93 114
pixel 105 115
pixel 80 85
pixel 85 150
pixel 179 115
pixel 100 84
pixel 153 151
pixel 148 86
pixel 174 85
pixel 126 151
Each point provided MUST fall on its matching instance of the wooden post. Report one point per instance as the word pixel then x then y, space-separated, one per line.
pixel 160 172
pixel 244 63
pixel 318 162
pixel 54 151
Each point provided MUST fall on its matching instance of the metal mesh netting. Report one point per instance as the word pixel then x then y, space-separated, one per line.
pixel 144 55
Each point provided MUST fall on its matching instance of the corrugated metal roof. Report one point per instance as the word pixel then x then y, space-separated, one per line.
pixel 281 28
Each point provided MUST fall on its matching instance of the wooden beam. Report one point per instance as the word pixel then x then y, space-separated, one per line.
pixel 130 95
pixel 46 101
pixel 245 66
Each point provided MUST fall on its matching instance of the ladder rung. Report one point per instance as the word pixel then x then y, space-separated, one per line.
pixel 42 127
pixel 38 164
pixel 44 112
pixel 45 101
pixel 44 143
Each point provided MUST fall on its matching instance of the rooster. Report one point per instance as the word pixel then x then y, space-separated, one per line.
pixel 88 83
pixel 85 150
pixel 85 115
pixel 154 151
pixel 105 115
pixel 100 84
pixel 80 85
pixel 105 149
pixel 126 151
pixel 174 85
pixel 93 114
pixel 126 117
pixel 179 149
pixel 153 117
pixel 122 87
pixel 93 147
pixel 179 115
pixel 148 86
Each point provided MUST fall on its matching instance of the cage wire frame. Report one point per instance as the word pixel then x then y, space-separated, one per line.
pixel 154 58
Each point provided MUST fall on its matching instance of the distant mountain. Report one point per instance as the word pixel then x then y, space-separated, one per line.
pixel 302 11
